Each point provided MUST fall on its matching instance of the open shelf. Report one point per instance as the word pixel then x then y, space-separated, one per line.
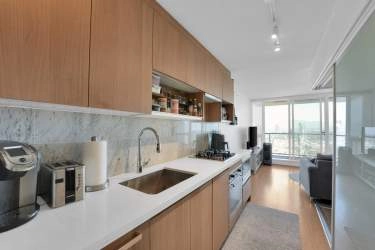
pixel 190 100
pixel 226 121
pixel 210 108
pixel 166 115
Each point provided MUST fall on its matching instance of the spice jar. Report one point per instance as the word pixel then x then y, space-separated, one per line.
pixel 174 106
pixel 191 107
pixel 195 108
pixel 200 109
pixel 163 104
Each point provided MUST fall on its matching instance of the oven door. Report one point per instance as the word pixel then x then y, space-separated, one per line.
pixel 235 196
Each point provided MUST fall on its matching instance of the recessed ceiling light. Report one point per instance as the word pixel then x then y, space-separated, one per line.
pixel 277 48
pixel 274 36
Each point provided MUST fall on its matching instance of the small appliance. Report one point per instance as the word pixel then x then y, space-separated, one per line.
pixel 218 142
pixel 61 183
pixel 19 166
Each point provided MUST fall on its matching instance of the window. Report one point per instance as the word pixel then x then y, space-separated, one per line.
pixel 277 127
pixel 303 127
pixel 307 127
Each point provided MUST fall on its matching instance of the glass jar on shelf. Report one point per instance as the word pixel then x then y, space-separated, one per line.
pixel 195 107
pixel 190 107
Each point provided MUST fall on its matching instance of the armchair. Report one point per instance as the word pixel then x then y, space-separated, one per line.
pixel 320 179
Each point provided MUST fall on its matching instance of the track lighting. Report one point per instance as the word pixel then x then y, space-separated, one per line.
pixel 275 33
pixel 277 47
pixel 275 28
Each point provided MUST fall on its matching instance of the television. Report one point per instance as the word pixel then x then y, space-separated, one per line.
pixel 253 137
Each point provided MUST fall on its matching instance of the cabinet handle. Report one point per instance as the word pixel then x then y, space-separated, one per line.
pixel 132 242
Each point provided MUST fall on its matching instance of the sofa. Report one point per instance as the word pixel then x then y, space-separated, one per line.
pixel 316 176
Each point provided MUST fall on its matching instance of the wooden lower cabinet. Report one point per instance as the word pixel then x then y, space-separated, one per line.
pixel 201 218
pixel 220 209
pixel 200 221
pixel 138 239
pixel 171 229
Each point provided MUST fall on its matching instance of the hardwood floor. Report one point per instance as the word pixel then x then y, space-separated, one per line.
pixel 273 188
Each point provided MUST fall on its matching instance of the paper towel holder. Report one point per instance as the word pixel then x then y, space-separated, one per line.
pixel 99 187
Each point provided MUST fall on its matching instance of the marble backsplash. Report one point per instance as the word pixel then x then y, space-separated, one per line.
pixel 59 135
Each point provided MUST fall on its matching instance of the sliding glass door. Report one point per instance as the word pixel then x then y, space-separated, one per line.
pixel 354 195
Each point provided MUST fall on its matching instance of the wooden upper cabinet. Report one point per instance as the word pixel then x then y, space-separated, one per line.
pixel 169 47
pixel 201 218
pixel 228 90
pixel 44 50
pixel 196 65
pixel 121 55
pixel 178 54
pixel 171 229
pixel 214 83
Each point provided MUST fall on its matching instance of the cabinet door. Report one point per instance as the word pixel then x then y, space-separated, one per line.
pixel 121 55
pixel 44 50
pixel 220 205
pixel 228 90
pixel 138 239
pixel 169 47
pixel 171 229
pixel 196 66
pixel 214 84
pixel 201 219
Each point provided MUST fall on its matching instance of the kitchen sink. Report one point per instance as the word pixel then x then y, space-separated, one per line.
pixel 158 181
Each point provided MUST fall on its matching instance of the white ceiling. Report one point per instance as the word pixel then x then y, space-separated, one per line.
pixel 238 33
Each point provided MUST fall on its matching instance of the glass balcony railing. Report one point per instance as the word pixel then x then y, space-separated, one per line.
pixel 306 144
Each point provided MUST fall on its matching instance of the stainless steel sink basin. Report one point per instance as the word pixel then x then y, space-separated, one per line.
pixel 158 181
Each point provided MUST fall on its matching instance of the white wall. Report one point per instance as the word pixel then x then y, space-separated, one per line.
pixel 237 135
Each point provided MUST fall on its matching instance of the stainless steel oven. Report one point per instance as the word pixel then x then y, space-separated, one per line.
pixel 235 194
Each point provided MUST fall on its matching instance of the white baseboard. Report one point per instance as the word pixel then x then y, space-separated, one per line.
pixel 286 162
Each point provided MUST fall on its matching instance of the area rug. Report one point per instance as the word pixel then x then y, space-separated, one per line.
pixel 294 176
pixel 262 228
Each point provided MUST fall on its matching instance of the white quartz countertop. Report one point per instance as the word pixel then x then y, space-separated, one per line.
pixel 104 216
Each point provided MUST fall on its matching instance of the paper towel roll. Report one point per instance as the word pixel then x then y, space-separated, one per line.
pixel 94 157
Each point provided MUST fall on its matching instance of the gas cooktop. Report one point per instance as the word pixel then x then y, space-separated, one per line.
pixel 214 155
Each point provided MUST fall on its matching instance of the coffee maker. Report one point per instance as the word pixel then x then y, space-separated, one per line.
pixel 19 166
